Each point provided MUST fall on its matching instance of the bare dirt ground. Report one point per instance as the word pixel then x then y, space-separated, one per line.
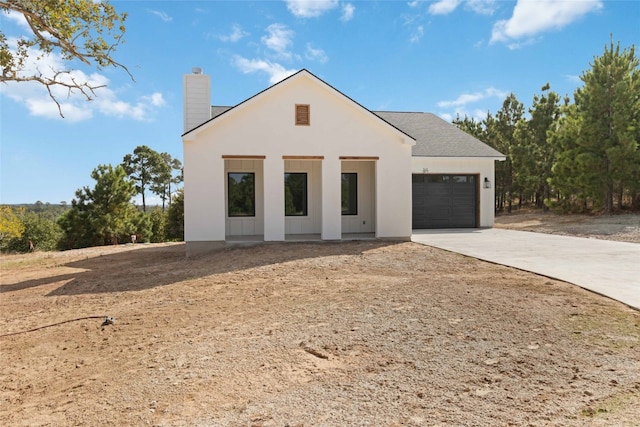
pixel 299 334
pixel 623 227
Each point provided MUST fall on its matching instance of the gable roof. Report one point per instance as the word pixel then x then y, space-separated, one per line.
pixel 436 137
pixel 433 136
pixel 217 111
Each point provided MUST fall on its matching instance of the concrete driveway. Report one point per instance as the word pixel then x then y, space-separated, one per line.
pixel 606 267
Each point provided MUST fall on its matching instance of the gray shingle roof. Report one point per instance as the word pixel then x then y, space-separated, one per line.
pixel 436 137
pixel 217 110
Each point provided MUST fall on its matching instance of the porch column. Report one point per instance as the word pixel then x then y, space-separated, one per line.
pixel 331 198
pixel 273 198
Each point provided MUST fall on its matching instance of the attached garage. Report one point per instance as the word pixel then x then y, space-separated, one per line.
pixel 444 201
pixel 452 173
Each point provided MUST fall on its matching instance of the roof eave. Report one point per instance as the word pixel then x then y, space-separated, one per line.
pixel 458 156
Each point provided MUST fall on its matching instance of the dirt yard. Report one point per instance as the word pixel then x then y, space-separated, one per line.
pixel 621 227
pixel 326 334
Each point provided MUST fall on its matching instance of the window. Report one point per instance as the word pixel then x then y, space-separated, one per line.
pixel 463 179
pixel 241 194
pixel 438 179
pixel 349 194
pixel 295 194
pixel 303 115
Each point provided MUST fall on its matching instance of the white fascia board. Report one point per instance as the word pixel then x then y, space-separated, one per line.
pixel 408 141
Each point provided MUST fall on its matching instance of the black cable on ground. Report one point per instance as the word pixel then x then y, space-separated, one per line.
pixel 108 320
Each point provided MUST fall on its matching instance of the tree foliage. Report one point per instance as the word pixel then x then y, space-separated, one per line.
pixel 44 233
pixel 532 154
pixel 11 227
pixel 149 170
pixel 158 219
pixel 500 131
pixel 579 156
pixel 162 182
pixel 80 31
pixel 104 214
pixel 565 177
pixel 606 159
pixel 175 218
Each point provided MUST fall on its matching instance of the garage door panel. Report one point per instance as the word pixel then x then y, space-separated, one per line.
pixel 444 201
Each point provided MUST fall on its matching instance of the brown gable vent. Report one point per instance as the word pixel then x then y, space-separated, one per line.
pixel 303 115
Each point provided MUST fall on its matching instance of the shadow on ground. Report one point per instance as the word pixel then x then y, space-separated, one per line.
pixel 139 269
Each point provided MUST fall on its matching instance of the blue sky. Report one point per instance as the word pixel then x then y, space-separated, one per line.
pixel 445 57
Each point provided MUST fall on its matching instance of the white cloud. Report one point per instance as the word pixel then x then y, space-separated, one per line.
pixel 414 3
pixel 110 105
pixel 279 39
pixel 531 17
pixel 446 116
pixel 316 54
pixel 417 34
pixel 481 7
pixel 477 114
pixel 156 99
pixel 17 19
pixel 162 15
pixel 573 78
pixel 466 104
pixel 347 12
pixel 45 107
pixel 74 106
pixel 443 7
pixel 470 98
pixel 310 8
pixel 237 33
pixel 275 71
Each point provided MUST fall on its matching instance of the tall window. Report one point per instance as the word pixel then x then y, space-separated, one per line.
pixel 295 194
pixel 349 194
pixel 241 194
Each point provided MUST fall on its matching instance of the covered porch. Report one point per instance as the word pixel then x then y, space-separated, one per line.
pixel 299 198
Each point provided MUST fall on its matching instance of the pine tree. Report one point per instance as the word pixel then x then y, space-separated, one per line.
pixel 148 170
pixel 500 134
pixel 565 177
pixel 104 214
pixel 532 154
pixel 607 157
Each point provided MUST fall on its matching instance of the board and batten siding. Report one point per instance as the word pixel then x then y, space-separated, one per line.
pixel 364 221
pixel 310 224
pixel 265 126
pixel 245 226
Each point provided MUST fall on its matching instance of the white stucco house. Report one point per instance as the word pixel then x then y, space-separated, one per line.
pixel 303 160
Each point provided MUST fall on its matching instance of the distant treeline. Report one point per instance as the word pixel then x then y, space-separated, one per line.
pixel 104 214
pixel 46 210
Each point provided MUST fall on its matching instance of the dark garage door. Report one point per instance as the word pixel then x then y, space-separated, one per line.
pixel 444 201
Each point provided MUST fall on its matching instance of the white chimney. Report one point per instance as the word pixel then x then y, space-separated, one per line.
pixel 197 98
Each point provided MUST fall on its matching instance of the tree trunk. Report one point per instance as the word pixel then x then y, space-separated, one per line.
pixel 546 196
pixel 608 203
pixel 619 196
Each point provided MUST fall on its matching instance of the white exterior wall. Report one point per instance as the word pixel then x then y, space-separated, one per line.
pixel 483 167
pixel 364 221
pixel 204 195
pixel 264 126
